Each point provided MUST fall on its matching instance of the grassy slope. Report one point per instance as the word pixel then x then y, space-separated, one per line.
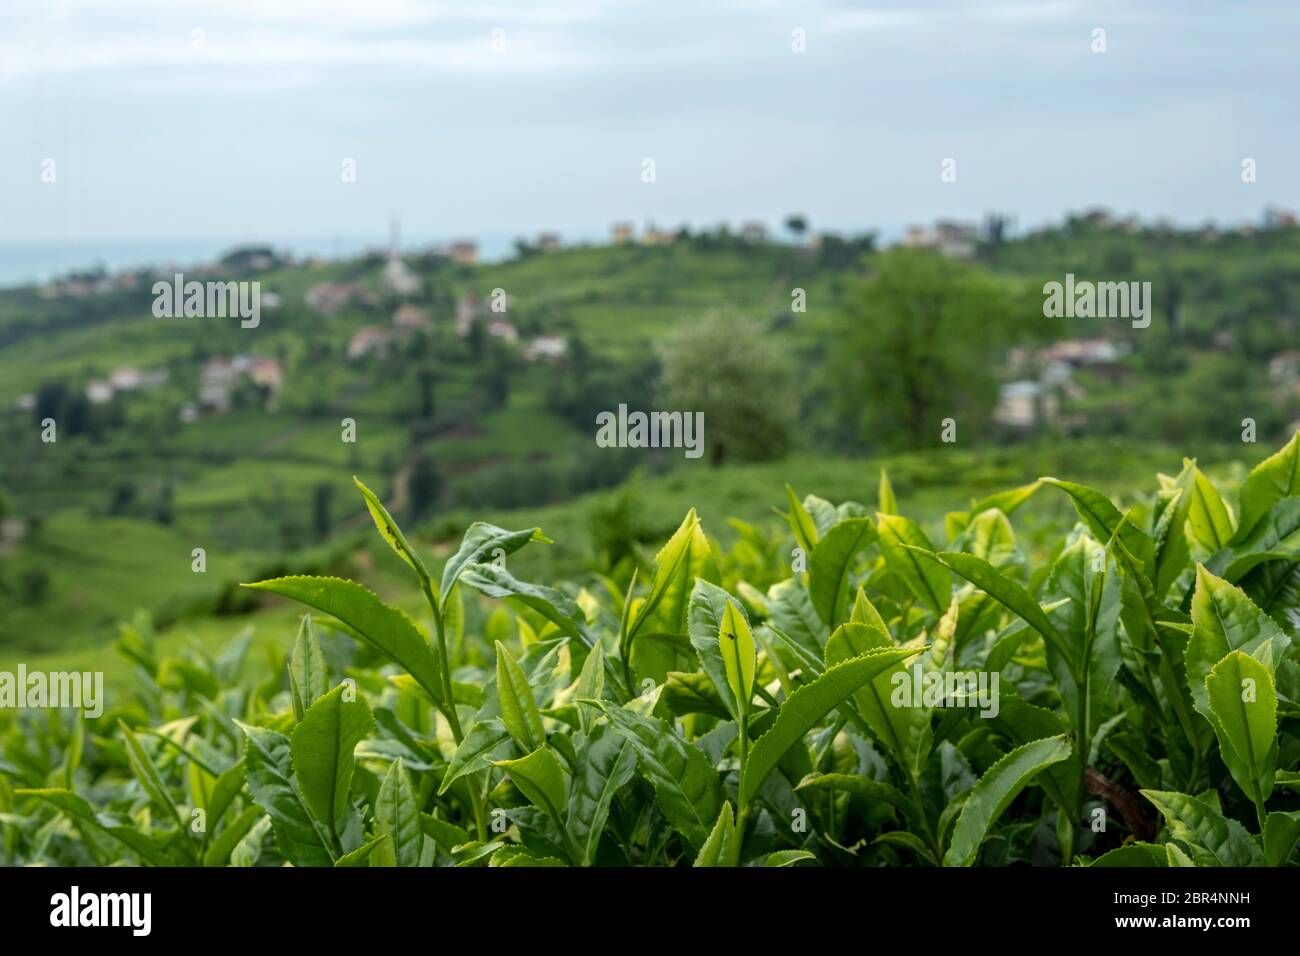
pixel 928 484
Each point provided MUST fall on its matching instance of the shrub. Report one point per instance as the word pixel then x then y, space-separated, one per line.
pixel 889 702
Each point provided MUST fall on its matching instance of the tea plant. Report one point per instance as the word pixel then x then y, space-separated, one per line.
pixel 849 694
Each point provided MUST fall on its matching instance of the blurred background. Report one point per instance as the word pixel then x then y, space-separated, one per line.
pixel 475 227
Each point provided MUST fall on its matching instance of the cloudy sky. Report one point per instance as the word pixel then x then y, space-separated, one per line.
pixel 240 129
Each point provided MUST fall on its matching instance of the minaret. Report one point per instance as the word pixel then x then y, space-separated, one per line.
pixel 394 237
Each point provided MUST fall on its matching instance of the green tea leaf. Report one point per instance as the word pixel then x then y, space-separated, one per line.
pixel 145 771
pixel 1274 478
pixel 722 848
pixel 1225 620
pixel 888 503
pixel 482 544
pixel 686 557
pixel 398 817
pixel 808 705
pixel 486 742
pixel 384 627
pixel 269 766
pixel 905 731
pixel 540 778
pixel 801 523
pixel 739 655
pixel 519 711
pixel 322 748
pixel 1281 831
pixel 1244 703
pixel 686 785
pixel 862 787
pixel 1134 854
pixel 994 792
pixel 389 531
pixel 606 763
pixel 899 539
pixel 830 571
pixel 307 681
pixel 83 814
pixel 788 857
pixel 1008 593
pixel 364 853
pixel 1213 839
pixel 709 607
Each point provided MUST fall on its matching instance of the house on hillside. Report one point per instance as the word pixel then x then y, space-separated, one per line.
pixel 128 379
pixel 548 242
pixel 268 373
pixel 371 340
pixel 328 298
pixel 654 236
pixel 399 279
pixel 1284 372
pixel 622 232
pixel 468 308
pixel 546 347
pixel 471 309
pixel 217 381
pixel 220 377
pixel 1100 217
pixel 464 252
pixel 1276 217
pixel 956 240
pixel 1026 405
pixel 99 392
pixel 504 330
pixel 753 231
pixel 410 318
pixel 1081 353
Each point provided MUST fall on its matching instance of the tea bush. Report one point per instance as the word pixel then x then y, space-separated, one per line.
pixel 848 693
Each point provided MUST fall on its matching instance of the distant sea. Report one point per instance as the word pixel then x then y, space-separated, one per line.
pixel 22 263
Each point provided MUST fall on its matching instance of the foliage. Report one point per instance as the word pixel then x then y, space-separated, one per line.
pixel 919 341
pixel 744 386
pixel 1144 711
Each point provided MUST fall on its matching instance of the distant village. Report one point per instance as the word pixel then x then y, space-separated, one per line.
pixel 1042 382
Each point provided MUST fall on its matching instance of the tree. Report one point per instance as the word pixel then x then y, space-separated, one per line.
pixel 425 376
pixel 920 341
pixel 797 224
pixel 743 384
pixel 33 586
pixel 424 486
pixel 496 378
pixel 322 499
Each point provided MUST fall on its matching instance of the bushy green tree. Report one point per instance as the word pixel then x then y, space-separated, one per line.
pixel 743 384
pixel 921 340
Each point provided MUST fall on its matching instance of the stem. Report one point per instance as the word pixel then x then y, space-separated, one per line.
pixel 444 662
pixel 742 806
pixel 449 701
pixel 914 781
